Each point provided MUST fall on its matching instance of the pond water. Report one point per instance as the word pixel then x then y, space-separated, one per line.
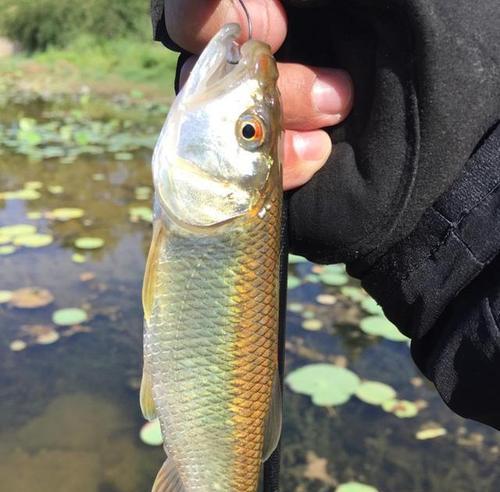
pixel 69 413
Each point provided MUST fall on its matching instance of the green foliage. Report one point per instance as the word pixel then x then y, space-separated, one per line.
pixel 38 25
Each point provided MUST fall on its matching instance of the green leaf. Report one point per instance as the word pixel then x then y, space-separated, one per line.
pixel 312 324
pixel 151 433
pixel 5 296
pixel 292 282
pixel 355 487
pixel 356 294
pixel 326 384
pixel 403 409
pixel 375 393
pixel 89 243
pixel 64 214
pixel 370 306
pixel 69 316
pixel 292 259
pixel 333 278
pixel 33 240
pixel 381 326
pixel 7 250
pixel 141 213
pixel 13 231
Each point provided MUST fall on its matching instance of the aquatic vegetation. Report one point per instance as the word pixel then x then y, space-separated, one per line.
pixel 375 393
pixel 65 213
pixel 33 240
pixel 89 243
pixel 69 316
pixel 31 298
pixel 370 306
pixel 293 282
pixel 17 345
pixel 382 327
pixel 151 433
pixel 326 384
pixel 401 408
pixel 293 259
pixel 326 299
pixel 141 213
pixel 5 296
pixel 355 487
pixel 312 324
pixel 430 431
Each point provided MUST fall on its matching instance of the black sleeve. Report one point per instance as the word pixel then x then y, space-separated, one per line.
pixel 441 287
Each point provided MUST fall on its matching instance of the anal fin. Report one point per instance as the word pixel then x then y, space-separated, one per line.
pixel 272 428
pixel 168 479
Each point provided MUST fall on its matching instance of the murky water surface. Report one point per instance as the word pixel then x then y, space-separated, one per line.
pixel 69 413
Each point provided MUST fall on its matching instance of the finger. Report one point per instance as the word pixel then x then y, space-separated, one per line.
pixel 192 23
pixel 313 97
pixel 305 153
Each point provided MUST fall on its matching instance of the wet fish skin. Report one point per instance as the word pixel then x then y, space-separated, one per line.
pixel 211 285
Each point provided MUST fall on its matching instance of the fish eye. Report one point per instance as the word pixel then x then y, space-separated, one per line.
pixel 250 131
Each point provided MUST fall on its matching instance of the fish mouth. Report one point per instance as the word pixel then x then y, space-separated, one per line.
pixel 224 63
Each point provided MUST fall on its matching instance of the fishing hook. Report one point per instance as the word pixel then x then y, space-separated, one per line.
pixel 249 20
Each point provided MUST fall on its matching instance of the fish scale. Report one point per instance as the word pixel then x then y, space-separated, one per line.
pixel 211 346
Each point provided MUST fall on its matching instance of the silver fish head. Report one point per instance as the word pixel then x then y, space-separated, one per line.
pixel 219 147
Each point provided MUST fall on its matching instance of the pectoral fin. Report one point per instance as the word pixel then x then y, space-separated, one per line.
pixel 148 287
pixel 168 479
pixel 272 427
pixel 146 395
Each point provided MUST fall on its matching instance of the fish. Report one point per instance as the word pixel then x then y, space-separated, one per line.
pixel 211 283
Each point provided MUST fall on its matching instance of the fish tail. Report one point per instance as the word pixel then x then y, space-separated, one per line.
pixel 168 479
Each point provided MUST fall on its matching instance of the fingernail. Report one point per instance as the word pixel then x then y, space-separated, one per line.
pixel 326 96
pixel 312 146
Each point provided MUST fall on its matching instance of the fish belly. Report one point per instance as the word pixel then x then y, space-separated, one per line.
pixel 211 346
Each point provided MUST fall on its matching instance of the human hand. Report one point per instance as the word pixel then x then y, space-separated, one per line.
pixel 312 97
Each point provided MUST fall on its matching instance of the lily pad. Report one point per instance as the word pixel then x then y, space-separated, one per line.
pixel 326 299
pixel 381 326
pixel 5 296
pixel 89 243
pixel 356 294
pixel 13 231
pixel 48 338
pixel 355 487
pixel 31 298
pixel 370 306
pixel 141 213
pixel 295 307
pixel 333 278
pixel 430 433
pixel 401 408
pixel 375 393
pixel 4 240
pixel 312 324
pixel 55 189
pixel 17 345
pixel 69 316
pixel 33 240
pixel 293 282
pixel 151 433
pixel 7 249
pixel 326 384
pixel 33 185
pixel 292 259
pixel 78 258
pixel 64 214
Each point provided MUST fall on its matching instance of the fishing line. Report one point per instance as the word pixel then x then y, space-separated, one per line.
pixel 249 20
